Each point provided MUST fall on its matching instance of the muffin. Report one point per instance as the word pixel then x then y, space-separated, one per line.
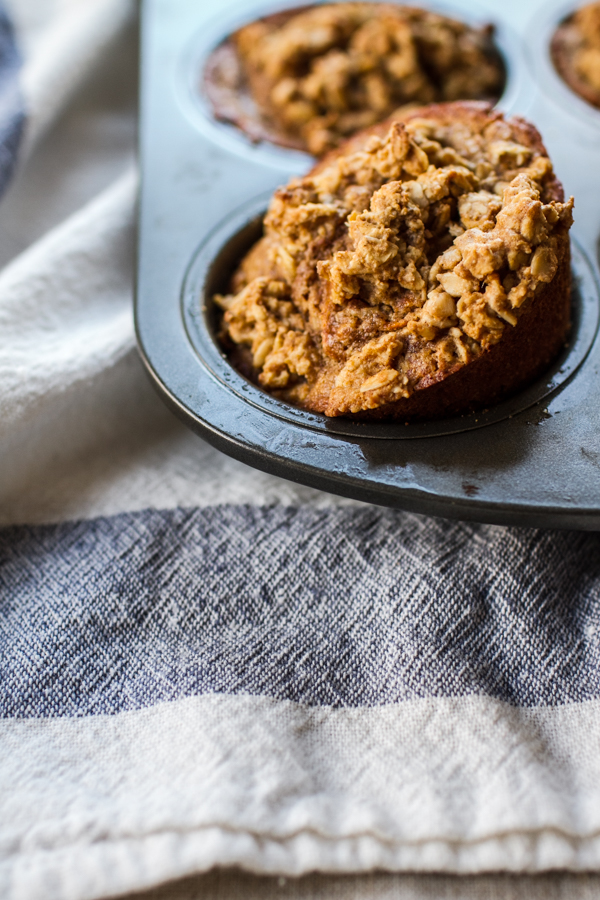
pixel 419 270
pixel 576 52
pixel 310 77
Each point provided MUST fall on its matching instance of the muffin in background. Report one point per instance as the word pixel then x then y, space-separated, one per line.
pixel 576 52
pixel 309 78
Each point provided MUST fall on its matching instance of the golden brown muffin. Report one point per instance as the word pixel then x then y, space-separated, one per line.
pixel 420 270
pixel 321 73
pixel 576 52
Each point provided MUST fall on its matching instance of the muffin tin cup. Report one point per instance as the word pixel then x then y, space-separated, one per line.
pixel 532 460
pixel 543 71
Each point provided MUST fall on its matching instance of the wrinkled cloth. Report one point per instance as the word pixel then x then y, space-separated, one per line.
pixel 205 665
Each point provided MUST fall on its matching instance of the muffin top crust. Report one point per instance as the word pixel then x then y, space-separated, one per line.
pixel 399 259
pixel 576 52
pixel 322 73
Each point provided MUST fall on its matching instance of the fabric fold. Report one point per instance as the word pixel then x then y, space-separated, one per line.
pixel 62 52
pixel 101 805
pixel 66 322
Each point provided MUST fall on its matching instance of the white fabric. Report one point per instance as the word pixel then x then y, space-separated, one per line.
pixel 259 803
pixel 63 41
pixel 234 884
pixel 69 367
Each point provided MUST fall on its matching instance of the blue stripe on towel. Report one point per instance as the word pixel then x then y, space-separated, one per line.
pixel 12 113
pixel 353 607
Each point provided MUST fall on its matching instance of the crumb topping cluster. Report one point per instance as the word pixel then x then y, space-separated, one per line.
pixel 397 262
pixel 331 70
pixel 576 52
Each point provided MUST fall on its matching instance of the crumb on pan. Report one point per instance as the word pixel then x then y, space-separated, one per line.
pixel 398 260
pixel 321 73
pixel 576 52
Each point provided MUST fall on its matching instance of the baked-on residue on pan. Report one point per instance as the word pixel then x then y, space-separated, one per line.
pixel 310 77
pixel 419 270
pixel 576 52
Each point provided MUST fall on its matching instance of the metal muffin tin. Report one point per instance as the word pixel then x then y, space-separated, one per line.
pixel 533 460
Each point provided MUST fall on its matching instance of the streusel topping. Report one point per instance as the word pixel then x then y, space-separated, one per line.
pixel 396 262
pixel 325 72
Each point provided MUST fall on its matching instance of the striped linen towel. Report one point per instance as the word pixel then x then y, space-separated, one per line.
pixel 202 664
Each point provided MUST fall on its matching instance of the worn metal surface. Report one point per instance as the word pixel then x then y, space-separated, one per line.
pixel 534 460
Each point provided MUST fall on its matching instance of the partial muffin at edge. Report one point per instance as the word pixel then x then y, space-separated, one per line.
pixel 576 52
